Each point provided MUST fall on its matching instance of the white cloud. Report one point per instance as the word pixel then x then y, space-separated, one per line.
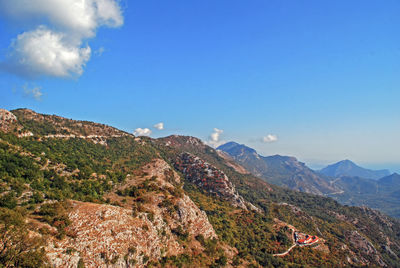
pixel 58 48
pixel 79 17
pixel 35 92
pixel 142 132
pixel 215 135
pixel 159 126
pixel 43 52
pixel 214 139
pixel 270 138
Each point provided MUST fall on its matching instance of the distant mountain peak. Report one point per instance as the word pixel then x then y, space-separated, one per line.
pixel 230 143
pixel 236 146
pixel 349 168
pixel 393 177
pixel 347 161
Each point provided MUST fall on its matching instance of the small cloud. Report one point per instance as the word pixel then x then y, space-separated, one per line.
pixel 214 139
pixel 35 92
pixel 159 126
pixel 142 132
pixel 269 138
pixel 100 51
pixel 215 135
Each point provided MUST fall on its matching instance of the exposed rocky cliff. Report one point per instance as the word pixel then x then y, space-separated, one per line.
pixel 129 234
pixel 7 119
pixel 210 179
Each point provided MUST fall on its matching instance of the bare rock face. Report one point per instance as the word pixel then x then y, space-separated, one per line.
pixel 365 246
pixel 210 178
pixel 197 220
pixel 6 120
pixel 7 116
pixel 103 235
pixel 187 215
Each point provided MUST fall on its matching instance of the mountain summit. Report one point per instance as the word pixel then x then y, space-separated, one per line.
pixel 349 168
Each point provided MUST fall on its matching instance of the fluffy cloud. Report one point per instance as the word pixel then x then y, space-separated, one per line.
pixel 159 126
pixel 55 46
pixel 35 92
pixel 269 138
pixel 43 52
pixel 142 132
pixel 80 18
pixel 215 138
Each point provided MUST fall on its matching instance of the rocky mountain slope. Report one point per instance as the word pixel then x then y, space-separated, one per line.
pixel 349 190
pixel 68 200
pixel 30 123
pixel 209 178
pixel 7 120
pixel 130 233
pixel 350 169
pixel 301 208
pixel 279 170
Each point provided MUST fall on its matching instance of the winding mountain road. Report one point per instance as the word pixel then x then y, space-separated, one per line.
pixel 286 252
pixel 289 249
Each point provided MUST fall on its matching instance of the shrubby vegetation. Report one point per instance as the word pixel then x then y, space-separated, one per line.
pixel 37 176
pixel 251 233
pixel 77 169
pixel 18 247
pixel 310 213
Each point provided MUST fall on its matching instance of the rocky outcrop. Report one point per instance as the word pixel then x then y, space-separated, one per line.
pixel 7 116
pixel 210 179
pixel 145 227
pixel 53 126
pixel 6 120
pixel 365 246
pixel 186 214
pixel 97 139
pixel 182 141
pixel 194 219
pixel 102 234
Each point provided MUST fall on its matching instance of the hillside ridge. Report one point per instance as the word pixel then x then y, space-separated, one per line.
pixel 280 170
pixel 126 203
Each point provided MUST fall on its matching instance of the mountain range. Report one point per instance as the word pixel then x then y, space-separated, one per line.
pixel 280 170
pixel 344 181
pixel 350 169
pixel 83 194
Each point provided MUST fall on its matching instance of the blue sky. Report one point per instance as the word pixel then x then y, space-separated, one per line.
pixel 322 77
